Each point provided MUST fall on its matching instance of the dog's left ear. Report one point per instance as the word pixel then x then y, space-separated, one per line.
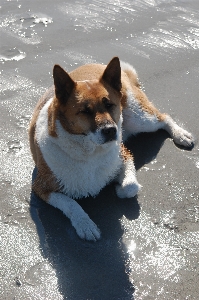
pixel 112 74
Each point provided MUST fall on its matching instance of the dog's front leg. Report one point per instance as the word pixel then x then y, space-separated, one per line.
pixel 84 226
pixel 128 185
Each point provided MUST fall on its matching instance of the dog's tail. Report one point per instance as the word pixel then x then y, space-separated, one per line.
pixel 131 73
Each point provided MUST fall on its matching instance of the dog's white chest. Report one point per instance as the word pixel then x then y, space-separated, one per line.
pixel 83 178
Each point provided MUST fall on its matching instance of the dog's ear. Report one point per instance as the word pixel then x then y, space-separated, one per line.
pixel 63 84
pixel 112 74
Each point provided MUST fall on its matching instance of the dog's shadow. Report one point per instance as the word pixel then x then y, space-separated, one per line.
pixel 88 270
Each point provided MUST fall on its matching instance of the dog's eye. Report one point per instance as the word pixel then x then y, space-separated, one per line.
pixel 86 111
pixel 107 103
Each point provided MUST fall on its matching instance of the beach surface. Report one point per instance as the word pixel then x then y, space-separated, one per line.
pixel 150 244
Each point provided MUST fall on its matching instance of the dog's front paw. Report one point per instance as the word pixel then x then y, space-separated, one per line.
pixel 183 137
pixel 128 190
pixel 86 228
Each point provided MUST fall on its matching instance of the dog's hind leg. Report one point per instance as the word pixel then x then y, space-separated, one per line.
pixel 140 115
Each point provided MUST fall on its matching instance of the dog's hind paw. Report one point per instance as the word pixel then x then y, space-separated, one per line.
pixel 128 190
pixel 178 134
pixel 86 229
pixel 183 137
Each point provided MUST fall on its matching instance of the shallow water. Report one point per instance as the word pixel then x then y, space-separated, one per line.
pixel 149 246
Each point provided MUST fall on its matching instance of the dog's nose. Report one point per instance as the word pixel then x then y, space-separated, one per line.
pixel 109 133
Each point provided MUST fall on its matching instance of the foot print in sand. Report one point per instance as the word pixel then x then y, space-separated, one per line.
pixel 23 121
pixel 8 54
pixel 25 27
pixel 15 146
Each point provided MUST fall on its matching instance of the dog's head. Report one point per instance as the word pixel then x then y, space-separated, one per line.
pixel 90 108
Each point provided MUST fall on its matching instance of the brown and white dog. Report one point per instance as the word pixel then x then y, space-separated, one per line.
pixel 77 133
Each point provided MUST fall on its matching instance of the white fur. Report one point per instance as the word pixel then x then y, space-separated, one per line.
pixel 81 165
pixel 136 120
pixel 128 67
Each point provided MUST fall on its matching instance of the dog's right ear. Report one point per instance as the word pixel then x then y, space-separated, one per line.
pixel 63 84
pixel 112 74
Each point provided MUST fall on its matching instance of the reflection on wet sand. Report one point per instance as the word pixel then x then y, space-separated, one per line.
pixel 149 246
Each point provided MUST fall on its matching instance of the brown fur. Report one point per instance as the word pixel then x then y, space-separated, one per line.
pixel 45 182
pixel 146 104
pixel 128 79
pixel 126 153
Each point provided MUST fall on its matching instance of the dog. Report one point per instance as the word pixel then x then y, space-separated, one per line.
pixel 77 133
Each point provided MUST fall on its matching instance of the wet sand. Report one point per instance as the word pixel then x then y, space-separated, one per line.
pixel 150 244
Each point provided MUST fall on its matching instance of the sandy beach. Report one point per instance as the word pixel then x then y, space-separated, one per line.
pixel 150 244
